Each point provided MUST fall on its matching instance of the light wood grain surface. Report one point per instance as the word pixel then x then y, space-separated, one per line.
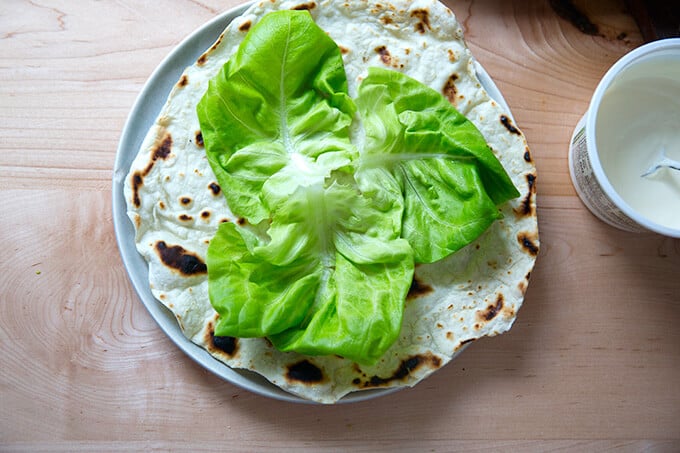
pixel 593 361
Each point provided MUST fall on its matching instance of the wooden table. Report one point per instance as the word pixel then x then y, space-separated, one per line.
pixel 592 362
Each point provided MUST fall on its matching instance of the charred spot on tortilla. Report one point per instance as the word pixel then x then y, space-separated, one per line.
pixel 137 182
pixel 185 200
pixel 462 344
pixel 527 155
pixel 245 26
pixel 492 310
pixel 418 289
pixel 185 218
pixel 405 368
pixel 198 139
pixel 202 59
pixel 385 56
pixel 183 81
pixel 205 214
pixel 423 17
pixel 227 345
pixel 356 370
pixel 526 207
pixel 304 6
pixel 531 180
pixel 217 43
pixel 241 221
pixel 305 371
pixel 180 260
pixel 160 150
pixel 522 286
pixel 387 20
pixel 449 89
pixel 507 122
pixel 527 243
pixel 343 50
pixel 214 188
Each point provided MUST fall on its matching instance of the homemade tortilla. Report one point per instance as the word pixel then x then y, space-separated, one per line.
pixel 176 204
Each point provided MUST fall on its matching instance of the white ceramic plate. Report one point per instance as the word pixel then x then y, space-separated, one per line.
pixel 141 118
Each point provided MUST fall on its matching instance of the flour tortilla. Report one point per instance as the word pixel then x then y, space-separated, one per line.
pixel 176 204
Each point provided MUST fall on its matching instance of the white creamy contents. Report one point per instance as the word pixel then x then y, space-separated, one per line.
pixel 638 117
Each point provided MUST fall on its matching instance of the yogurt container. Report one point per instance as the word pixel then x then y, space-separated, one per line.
pixel 632 121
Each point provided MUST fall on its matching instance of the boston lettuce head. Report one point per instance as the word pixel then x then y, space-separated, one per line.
pixel 331 233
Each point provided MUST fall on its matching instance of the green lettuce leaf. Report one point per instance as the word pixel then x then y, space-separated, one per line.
pixel 330 278
pixel 280 104
pixel 327 257
pixel 450 178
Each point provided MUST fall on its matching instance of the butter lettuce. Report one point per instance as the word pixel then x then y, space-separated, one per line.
pixel 331 278
pixel 333 233
pixel 280 104
pixel 450 178
pixel 330 273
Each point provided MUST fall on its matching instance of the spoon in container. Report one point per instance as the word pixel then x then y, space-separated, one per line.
pixel 663 161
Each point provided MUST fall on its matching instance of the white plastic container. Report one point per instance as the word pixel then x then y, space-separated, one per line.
pixel 633 115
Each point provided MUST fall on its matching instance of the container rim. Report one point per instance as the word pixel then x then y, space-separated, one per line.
pixel 669 45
